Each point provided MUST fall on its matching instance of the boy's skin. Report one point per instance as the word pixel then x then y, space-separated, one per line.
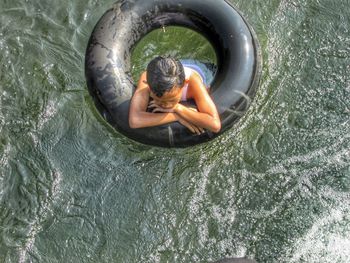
pixel 169 109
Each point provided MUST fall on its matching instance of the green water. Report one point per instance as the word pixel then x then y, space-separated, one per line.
pixel 275 188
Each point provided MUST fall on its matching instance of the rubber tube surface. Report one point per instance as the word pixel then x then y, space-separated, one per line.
pixel 107 62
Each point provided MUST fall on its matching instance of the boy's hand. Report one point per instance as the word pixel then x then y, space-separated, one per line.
pixel 156 108
pixel 193 128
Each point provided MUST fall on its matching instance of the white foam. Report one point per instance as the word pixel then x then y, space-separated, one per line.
pixel 36 226
pixel 327 241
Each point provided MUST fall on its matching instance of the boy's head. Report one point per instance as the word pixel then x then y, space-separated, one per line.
pixel 164 74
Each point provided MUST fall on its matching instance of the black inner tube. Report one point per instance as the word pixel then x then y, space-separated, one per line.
pixel 107 65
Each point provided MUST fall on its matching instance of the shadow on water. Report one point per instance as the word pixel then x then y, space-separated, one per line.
pixel 274 188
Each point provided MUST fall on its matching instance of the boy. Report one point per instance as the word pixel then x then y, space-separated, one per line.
pixel 167 83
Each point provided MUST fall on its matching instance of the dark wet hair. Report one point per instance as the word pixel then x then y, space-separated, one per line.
pixel 163 73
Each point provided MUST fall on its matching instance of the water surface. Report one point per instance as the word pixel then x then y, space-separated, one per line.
pixel 274 188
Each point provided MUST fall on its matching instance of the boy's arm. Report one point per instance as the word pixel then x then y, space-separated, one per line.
pixel 138 115
pixel 207 115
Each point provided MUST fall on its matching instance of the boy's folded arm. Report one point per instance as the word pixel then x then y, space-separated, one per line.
pixel 199 119
pixel 140 118
pixel 147 119
pixel 207 115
